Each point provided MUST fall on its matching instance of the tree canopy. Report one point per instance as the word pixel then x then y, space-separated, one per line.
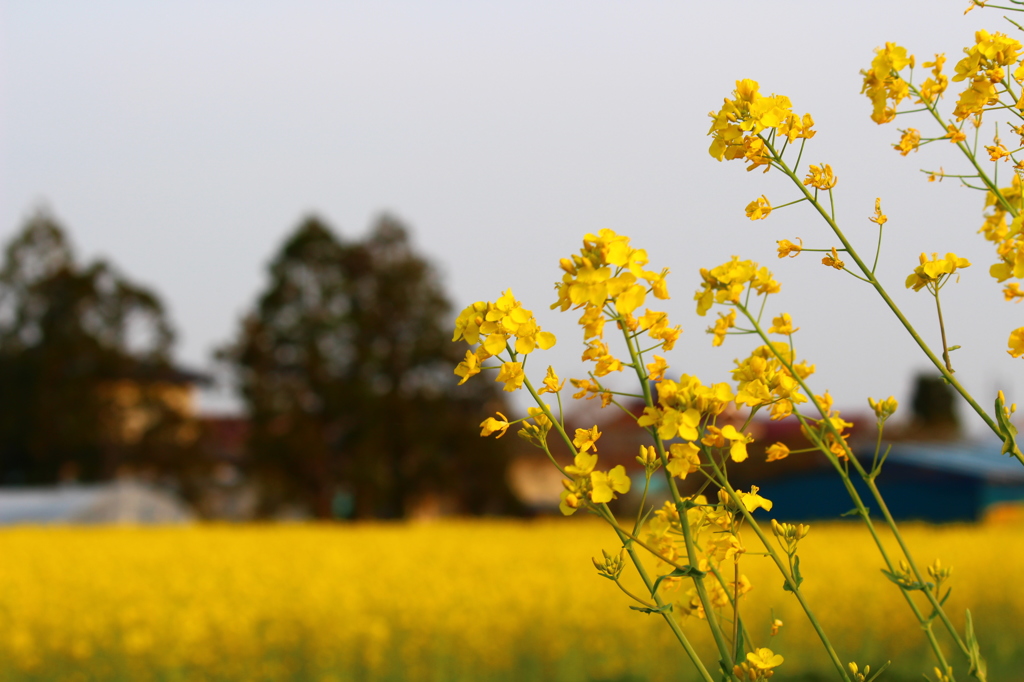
pixel 345 366
pixel 75 341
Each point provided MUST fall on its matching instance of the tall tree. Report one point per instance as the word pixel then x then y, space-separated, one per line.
pixel 69 337
pixel 346 368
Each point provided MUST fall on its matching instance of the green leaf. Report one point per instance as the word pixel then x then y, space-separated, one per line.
pixel 904 582
pixel 1007 431
pixel 678 573
pixel 978 668
pixel 797 578
pixel 664 608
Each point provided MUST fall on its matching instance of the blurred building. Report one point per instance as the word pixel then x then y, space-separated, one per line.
pixel 123 501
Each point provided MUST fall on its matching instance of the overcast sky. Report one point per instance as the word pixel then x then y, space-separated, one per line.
pixel 184 140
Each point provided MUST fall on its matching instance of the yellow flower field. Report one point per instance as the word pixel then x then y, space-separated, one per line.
pixel 452 600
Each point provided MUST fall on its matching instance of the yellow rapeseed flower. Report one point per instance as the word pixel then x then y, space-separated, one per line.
pixel 783 324
pixel 776 452
pixel 909 142
pixel 605 485
pixel 759 208
pixel 820 177
pixel 832 260
pixel 586 439
pixel 788 248
pixel 492 425
pixel 512 374
pixel 1016 342
pixel 551 382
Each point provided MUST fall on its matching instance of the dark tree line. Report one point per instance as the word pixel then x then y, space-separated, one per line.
pixel 344 365
pixel 75 340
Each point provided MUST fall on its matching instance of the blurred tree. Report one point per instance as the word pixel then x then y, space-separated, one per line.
pixel 934 410
pixel 83 365
pixel 345 366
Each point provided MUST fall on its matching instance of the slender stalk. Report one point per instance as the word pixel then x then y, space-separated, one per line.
pixel 605 513
pixel 942 330
pixel 691 552
pixel 783 569
pixel 873 281
pixel 858 502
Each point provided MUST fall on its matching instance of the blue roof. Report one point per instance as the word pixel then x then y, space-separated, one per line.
pixel 976 459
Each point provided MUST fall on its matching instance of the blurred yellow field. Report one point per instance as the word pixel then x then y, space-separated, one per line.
pixel 452 600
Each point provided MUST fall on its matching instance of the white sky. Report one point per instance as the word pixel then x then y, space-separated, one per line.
pixel 184 141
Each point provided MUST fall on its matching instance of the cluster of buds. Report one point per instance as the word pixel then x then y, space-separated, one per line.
pixel 883 408
pixel 939 574
pixel 790 534
pixel 858 675
pixel 535 433
pixel 648 459
pixel 612 565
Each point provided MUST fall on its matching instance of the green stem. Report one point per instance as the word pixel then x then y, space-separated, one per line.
pixel 942 331
pixel 624 538
pixel 858 502
pixel 783 569
pixel 691 552
pixel 892 305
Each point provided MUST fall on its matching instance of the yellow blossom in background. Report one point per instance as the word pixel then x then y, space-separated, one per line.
pixel 592 322
pixel 656 369
pixel 1016 342
pixel 765 659
pixel 684 459
pixel 777 451
pixel 788 248
pixel 491 425
pixel 605 485
pixel 955 134
pixel 997 151
pixel 217 602
pixel 1012 292
pixel 936 84
pixel 759 208
pixel 909 142
pixel 607 268
pixel 754 501
pixel 982 68
pixel 879 218
pixel 820 177
pixel 586 439
pixel 493 325
pixel 934 271
pixel 738 442
pixel 833 261
pixel 512 374
pixel 737 127
pixel 722 326
pixel 727 282
pixel 551 382
pixel 582 464
pixel 468 367
pixel 882 83
pixel 783 324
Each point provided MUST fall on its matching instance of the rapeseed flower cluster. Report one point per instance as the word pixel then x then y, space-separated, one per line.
pixel 745 125
pixel 493 326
